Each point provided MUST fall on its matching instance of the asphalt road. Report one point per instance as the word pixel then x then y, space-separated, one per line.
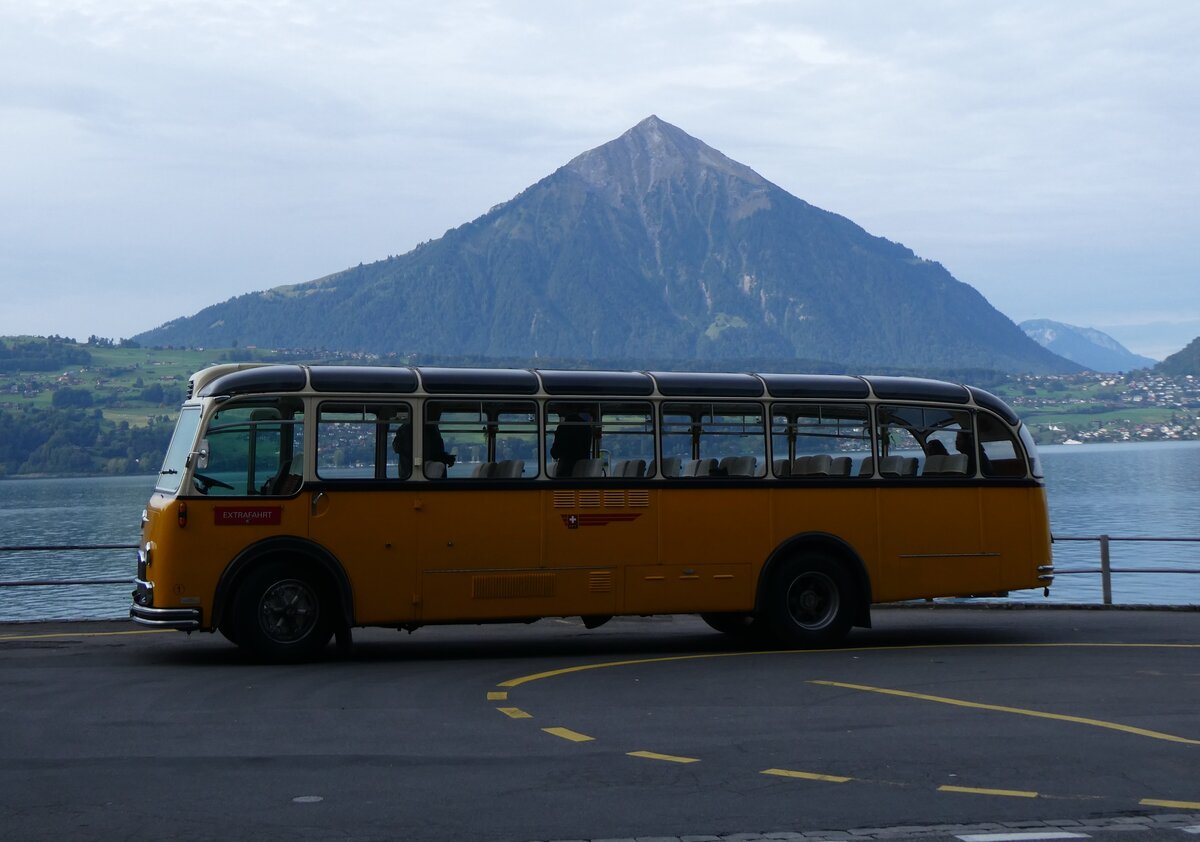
pixel 941 722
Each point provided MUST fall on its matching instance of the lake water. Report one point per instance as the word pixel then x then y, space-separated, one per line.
pixel 1150 489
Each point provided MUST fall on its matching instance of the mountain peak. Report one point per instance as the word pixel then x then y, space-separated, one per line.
pixel 1087 346
pixel 653 152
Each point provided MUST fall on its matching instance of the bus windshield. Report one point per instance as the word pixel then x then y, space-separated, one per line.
pixel 177 452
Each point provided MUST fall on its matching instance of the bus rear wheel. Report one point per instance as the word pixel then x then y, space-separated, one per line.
pixel 811 602
pixel 281 615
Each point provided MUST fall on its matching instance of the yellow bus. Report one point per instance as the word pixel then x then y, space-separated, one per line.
pixel 298 502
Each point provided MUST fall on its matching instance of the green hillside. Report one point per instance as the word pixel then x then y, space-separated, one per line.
pixel 1184 362
pixel 94 407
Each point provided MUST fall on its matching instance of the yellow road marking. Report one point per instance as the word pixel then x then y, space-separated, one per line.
pixel 81 634
pixel 670 758
pixel 568 734
pixel 495 696
pixel 1181 805
pixel 1061 717
pixel 515 713
pixel 972 790
pixel 525 679
pixel 808 776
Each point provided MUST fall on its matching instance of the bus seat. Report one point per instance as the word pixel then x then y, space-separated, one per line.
pixel 947 465
pixel 817 465
pixel 867 468
pixel 484 470
pixel 891 466
pixel 840 466
pixel 435 470
pixel 898 466
pixel 508 469
pixel 739 466
pixel 699 468
pixel 782 468
pixel 670 466
pixel 588 468
pixel 630 468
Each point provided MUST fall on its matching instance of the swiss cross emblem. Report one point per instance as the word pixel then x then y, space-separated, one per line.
pixel 572 521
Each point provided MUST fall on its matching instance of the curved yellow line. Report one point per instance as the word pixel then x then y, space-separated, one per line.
pixel 1040 714
pixel 526 679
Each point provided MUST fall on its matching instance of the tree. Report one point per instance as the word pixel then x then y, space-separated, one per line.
pixel 67 397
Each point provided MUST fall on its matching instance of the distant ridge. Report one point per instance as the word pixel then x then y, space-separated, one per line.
pixel 1087 346
pixel 1182 362
pixel 651 247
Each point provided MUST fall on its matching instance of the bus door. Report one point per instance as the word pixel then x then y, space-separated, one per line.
pixel 361 506
pixel 245 486
pixel 930 518
pixel 478 527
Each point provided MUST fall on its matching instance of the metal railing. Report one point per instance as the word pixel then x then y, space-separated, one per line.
pixel 1106 569
pixel 27 583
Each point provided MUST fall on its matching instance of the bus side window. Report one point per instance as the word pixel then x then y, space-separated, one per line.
pixel 480 439
pixel 255 447
pixel 360 440
pixel 605 439
pixel 999 453
pixel 817 440
pixel 715 439
pixel 925 441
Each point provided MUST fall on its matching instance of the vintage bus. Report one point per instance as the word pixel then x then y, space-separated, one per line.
pixel 298 502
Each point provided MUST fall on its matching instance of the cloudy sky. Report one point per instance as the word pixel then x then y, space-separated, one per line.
pixel 157 157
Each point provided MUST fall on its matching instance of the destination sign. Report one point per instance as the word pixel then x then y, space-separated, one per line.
pixel 248 515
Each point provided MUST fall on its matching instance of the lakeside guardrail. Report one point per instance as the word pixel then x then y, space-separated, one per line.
pixel 1106 570
pixel 46 548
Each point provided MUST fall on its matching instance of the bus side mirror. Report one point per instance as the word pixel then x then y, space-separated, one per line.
pixel 200 455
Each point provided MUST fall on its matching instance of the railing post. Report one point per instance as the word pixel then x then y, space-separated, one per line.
pixel 1105 570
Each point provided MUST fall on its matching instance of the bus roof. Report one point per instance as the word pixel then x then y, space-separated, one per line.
pixel 226 381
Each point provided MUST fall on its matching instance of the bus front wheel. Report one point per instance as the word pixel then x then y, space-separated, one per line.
pixel 811 602
pixel 281 614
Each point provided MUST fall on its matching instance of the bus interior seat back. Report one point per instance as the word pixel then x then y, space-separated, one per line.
pixel 588 468
pixel 782 468
pixel 484 470
pixel 508 469
pixel 630 468
pixel 898 466
pixel 840 466
pixel 435 470
pixel 670 467
pixel 739 466
pixel 699 468
pixel 953 464
pixel 817 465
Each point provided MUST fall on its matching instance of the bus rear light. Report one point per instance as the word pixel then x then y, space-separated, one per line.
pixel 182 515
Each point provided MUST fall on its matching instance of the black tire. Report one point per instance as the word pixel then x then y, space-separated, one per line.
pixel 282 614
pixel 228 629
pixel 733 623
pixel 811 602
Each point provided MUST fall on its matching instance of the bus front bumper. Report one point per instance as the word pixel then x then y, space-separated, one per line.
pixel 143 613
